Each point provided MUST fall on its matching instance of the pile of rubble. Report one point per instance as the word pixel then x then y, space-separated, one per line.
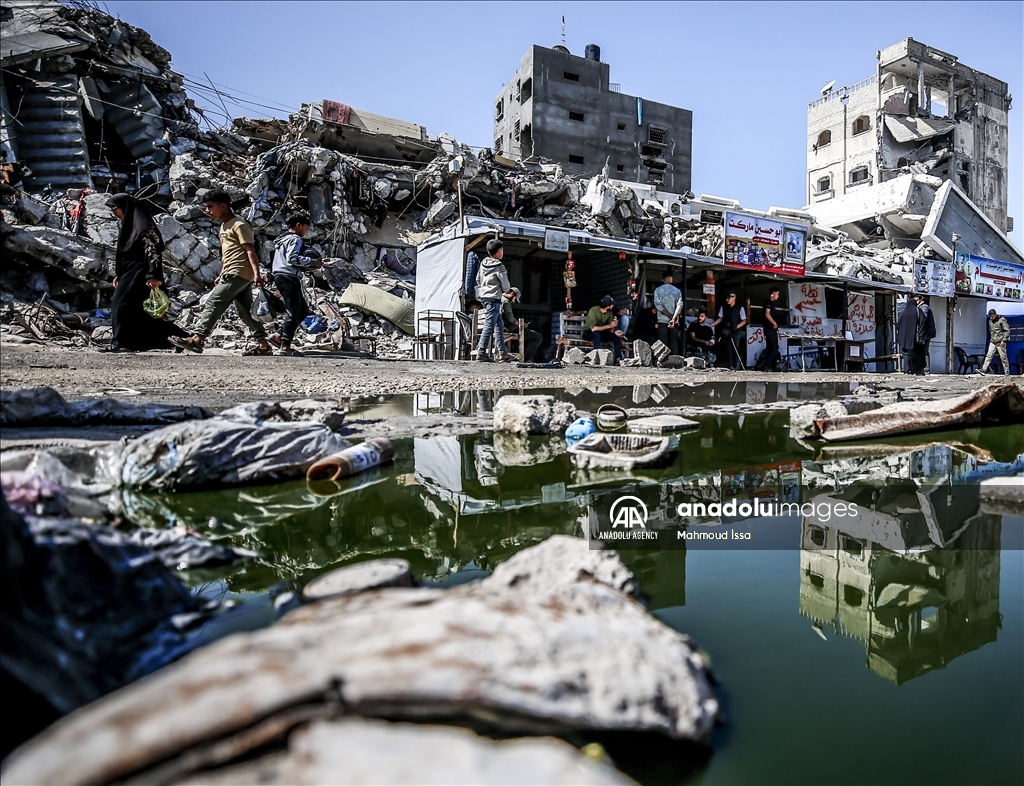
pixel 121 120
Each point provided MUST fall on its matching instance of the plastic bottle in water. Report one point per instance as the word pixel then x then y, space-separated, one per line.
pixel 353 460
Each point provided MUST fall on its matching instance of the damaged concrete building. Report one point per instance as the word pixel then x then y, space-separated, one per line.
pixel 923 113
pixel 563 107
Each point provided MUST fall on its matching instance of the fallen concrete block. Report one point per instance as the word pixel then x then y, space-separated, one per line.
pixel 660 351
pixel 642 352
pixel 28 210
pixel 662 424
pixel 695 363
pixel 532 415
pixel 363 576
pixel 574 356
pixel 673 361
pixel 801 419
pixel 601 357
pixel 631 362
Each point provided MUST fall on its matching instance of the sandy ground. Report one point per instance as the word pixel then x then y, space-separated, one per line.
pixel 218 379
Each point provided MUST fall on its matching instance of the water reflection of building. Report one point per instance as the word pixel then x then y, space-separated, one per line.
pixel 914 576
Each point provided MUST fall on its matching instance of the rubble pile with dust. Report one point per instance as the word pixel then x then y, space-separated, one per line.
pixel 115 97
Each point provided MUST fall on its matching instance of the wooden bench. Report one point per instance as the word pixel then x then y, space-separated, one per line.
pixel 511 339
pixel 570 334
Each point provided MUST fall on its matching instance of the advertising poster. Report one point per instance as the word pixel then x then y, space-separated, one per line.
pixel 934 277
pixel 989 278
pixel 764 245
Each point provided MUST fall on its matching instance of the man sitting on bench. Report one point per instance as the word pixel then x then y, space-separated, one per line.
pixel 602 326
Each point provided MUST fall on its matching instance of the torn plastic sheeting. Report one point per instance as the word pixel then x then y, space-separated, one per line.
pixel 996 404
pixel 395 310
pixel 215 453
pixel 179 549
pixel 44 406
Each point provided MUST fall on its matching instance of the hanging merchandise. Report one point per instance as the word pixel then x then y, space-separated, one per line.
pixel 570 279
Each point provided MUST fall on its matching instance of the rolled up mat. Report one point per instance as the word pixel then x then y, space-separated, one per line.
pixel 353 460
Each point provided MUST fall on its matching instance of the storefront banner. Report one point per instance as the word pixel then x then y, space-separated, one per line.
pixel 860 313
pixel 934 277
pixel 806 304
pixel 763 245
pixel 989 278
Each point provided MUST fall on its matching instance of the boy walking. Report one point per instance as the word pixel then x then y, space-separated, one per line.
pixel 239 271
pixel 491 284
pixel 290 258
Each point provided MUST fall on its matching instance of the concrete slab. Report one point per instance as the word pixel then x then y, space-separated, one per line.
pixel 662 424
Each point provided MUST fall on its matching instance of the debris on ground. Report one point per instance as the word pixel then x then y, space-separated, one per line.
pixel 180 549
pixel 996 404
pixel 44 406
pixel 532 415
pixel 552 642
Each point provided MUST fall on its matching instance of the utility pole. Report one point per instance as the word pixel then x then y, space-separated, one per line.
pixel 950 311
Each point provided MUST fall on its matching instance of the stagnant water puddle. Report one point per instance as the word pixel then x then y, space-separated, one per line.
pixel 888 649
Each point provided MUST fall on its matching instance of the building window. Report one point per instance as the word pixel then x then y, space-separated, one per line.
pixel 499 109
pixel 515 131
pixel 622 126
pixel 852 596
pixel 578 116
pixel 860 175
pixel 817 536
pixel 526 93
pixel 569 76
pixel 852 546
pixel 497 146
pixel 656 177
pixel 620 167
pixel 824 138
pixel 861 124
pixel 824 184
pixel 657 136
pixel 575 159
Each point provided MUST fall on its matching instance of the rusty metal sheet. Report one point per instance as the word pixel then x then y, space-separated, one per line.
pixel 1001 403
pixel 335 113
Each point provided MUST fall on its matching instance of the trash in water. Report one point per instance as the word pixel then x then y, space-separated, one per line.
pixel 618 451
pixel 578 429
pixel 352 461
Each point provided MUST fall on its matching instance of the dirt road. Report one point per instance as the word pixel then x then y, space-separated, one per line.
pixel 217 379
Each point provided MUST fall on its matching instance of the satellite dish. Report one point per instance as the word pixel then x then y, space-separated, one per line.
pixel 828 87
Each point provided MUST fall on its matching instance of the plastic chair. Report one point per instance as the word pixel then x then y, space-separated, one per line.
pixel 965 363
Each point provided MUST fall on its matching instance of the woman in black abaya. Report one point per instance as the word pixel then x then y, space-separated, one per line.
pixel 138 268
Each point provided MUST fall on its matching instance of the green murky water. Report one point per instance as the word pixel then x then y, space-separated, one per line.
pixel 891 654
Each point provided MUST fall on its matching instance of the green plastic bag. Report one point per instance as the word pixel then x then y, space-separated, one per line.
pixel 157 303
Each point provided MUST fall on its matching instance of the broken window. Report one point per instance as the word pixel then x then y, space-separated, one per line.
pixel 499 109
pixel 569 76
pixel 656 177
pixel 577 116
pixel 852 596
pixel 824 138
pixel 817 536
pixel 527 91
pixel 861 124
pixel 852 546
pixel 620 168
pixel 575 159
pixel 622 126
pixel 824 184
pixel 657 136
pixel 860 175
pixel 526 145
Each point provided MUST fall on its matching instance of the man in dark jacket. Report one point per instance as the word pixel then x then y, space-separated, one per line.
pixel 999 334
pixel 906 333
pixel 732 318
pixel 924 335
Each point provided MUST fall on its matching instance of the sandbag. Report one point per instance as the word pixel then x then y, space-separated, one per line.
pixel 218 452
pixel 396 310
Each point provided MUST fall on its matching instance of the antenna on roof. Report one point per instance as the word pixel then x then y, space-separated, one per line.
pixel 563 29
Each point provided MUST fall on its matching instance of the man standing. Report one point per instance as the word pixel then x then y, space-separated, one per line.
pixel 732 318
pixel 924 335
pixel 239 272
pixel 700 335
pixel 602 325
pixel 291 257
pixel 491 284
pixel 530 341
pixel 906 334
pixel 666 300
pixel 999 334
pixel 771 354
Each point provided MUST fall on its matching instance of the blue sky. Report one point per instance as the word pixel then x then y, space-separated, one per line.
pixel 747 70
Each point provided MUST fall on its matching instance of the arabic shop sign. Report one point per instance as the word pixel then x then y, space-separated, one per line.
pixel 989 278
pixel 764 245
pixel 933 277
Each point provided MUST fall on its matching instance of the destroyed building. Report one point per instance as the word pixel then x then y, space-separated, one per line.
pixel 922 113
pixel 563 107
